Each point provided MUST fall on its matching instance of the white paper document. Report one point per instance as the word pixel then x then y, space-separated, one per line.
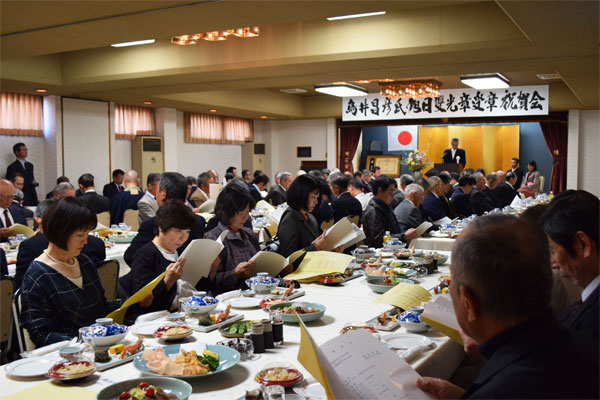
pixel 516 201
pixel 359 366
pixel 440 308
pixel 199 256
pixel 443 221
pixel 215 189
pixel 270 262
pixel 207 207
pixel 421 229
pixel 20 229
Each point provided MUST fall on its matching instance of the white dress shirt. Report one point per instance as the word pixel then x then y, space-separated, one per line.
pixel 589 289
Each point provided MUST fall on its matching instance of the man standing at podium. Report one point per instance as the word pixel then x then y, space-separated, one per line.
pixel 454 155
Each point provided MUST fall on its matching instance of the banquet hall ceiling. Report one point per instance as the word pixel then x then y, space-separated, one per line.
pixel 64 47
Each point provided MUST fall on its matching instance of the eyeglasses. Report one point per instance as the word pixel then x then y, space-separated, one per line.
pixel 7 196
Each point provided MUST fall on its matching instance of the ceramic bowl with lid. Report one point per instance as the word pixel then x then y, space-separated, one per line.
pixel 198 304
pixel 104 333
pixel 363 252
pixel 262 283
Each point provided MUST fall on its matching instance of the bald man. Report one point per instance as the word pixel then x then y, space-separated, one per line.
pixel 10 213
pixel 127 199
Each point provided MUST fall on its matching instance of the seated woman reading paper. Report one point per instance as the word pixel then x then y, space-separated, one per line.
pixel 61 291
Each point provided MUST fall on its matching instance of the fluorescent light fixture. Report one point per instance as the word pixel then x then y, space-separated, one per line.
pixel 485 81
pixel 371 14
pixel 342 90
pixel 135 43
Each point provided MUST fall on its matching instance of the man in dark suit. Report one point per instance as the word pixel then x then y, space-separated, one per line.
pixel 516 331
pixel 514 168
pixel 571 223
pixel 116 186
pixel 258 185
pixel 444 199
pixel 344 204
pixel 491 182
pixel 460 198
pixel 128 198
pixel 10 213
pixel 454 155
pixel 25 168
pixel 511 184
pixel 87 187
pixel 432 203
pixel 33 247
pixel 3 263
pixel 480 202
pixel 405 180
pixel 407 213
pixel 19 182
pixel 278 195
pixel 173 186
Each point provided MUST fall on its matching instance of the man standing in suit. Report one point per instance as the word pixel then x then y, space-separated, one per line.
pixel 278 195
pixel 513 322
pixel 344 204
pixel 116 186
pixel 480 202
pixel 25 168
pixel 407 212
pixel 432 203
pixel 454 155
pixel 88 189
pixel 460 198
pixel 128 198
pixel 10 213
pixel 571 223
pixel 147 206
pixel 514 168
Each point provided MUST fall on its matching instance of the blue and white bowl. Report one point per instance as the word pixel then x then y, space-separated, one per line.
pixel 198 305
pixel 411 321
pixel 262 283
pixel 104 335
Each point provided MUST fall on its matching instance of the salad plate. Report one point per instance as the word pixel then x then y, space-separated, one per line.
pixel 31 366
pixel 177 387
pixel 405 341
pixel 245 302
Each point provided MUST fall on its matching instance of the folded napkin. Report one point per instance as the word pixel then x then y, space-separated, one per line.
pixel 51 348
pixel 229 295
pixel 413 351
pixel 151 316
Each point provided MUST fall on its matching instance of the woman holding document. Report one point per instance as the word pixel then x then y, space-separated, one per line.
pixel 61 291
pixel 240 244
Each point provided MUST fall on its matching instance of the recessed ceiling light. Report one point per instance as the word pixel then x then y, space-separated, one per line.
pixel 134 43
pixel 371 14
pixel 40 90
pixel 212 110
pixel 548 77
pixel 263 117
pixel 293 91
pixel 341 90
pixel 147 102
pixel 485 81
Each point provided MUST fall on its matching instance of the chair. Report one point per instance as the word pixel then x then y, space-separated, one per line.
pixel 541 188
pixel 108 271
pixel 355 219
pixel 6 292
pixel 271 229
pixel 327 224
pixel 24 341
pixel 131 218
pixel 30 223
pixel 104 218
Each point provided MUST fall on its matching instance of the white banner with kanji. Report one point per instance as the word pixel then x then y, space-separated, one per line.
pixel 453 103
pixel 402 137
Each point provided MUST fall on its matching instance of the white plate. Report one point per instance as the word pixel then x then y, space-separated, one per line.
pixel 310 388
pixel 245 302
pixel 32 366
pixel 405 340
pixel 146 328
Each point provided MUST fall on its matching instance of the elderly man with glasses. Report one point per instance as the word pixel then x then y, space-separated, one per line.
pixel 10 212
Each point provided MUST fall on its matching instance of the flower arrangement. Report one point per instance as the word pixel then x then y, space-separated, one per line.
pixel 417 160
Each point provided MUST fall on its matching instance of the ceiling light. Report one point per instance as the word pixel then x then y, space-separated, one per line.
pixel 40 90
pixel 135 43
pixel 147 102
pixel 212 110
pixel 410 89
pixel 216 36
pixel 485 81
pixel 371 14
pixel 341 90
pixel 263 117
pixel 548 77
pixel 293 91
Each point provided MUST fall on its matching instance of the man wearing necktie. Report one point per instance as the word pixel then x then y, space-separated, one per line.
pixel 9 214
pixel 454 155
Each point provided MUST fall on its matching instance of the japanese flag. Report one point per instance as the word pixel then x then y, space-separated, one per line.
pixel 402 137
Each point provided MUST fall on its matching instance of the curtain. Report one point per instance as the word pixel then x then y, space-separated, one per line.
pixel 556 136
pixel 20 115
pixel 131 121
pixel 203 128
pixel 349 137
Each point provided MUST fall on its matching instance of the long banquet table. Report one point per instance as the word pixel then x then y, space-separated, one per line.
pixel 349 302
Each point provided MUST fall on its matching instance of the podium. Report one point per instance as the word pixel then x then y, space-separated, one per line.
pixel 449 167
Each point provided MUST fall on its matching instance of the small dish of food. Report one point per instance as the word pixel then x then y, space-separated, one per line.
pixel 306 311
pixel 172 332
pixel 282 374
pixel 69 370
pixel 331 279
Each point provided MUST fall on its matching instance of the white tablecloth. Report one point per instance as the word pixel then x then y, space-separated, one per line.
pixel 351 301
pixel 116 253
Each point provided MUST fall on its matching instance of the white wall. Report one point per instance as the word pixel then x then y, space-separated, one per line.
pixel 589 149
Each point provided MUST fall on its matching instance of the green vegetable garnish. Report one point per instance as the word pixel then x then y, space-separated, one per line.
pixel 212 362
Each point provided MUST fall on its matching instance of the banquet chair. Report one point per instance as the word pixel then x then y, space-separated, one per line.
pixel 131 218
pixel 271 229
pixel 327 224
pixel 104 218
pixel 108 272
pixel 541 188
pixel 23 339
pixel 6 292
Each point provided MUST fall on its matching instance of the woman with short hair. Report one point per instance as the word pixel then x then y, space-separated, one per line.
pixel 531 181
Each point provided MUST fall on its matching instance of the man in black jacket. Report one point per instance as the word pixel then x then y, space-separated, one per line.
pixel 460 198
pixel 514 168
pixel 454 155
pixel 279 193
pixel 173 186
pixel 25 168
pixel 98 202
pixel 378 217
pixel 480 202
pixel 116 186
pixel 515 331
pixel 344 204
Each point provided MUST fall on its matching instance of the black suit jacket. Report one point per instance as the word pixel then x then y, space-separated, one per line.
pixel 461 203
pixel 277 196
pixel 255 193
pixel 110 189
pixel 583 318
pixel 121 202
pixel 3 263
pixel 346 205
pixel 397 199
pixel 29 193
pixel 494 197
pixel 505 193
pixel 536 359
pixel 18 217
pixel 376 220
pixel 27 213
pixel 480 202
pixel 97 202
pixel 519 174
pixel 33 247
pixel 296 232
pixel 448 159
pixel 146 234
pixel 434 209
